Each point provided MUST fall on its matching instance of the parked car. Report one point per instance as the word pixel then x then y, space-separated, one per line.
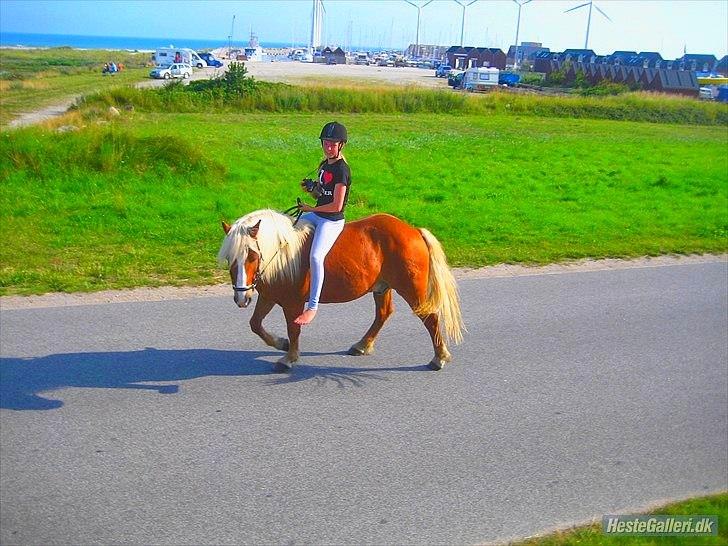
pixel 455 78
pixel 211 60
pixel 443 70
pixel 175 70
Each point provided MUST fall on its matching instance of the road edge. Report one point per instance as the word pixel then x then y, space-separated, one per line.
pixel 163 293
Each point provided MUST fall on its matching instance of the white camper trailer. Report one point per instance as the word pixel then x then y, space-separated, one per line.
pixel 165 56
pixel 480 78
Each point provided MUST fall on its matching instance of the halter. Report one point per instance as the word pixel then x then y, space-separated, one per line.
pixel 294 211
pixel 258 272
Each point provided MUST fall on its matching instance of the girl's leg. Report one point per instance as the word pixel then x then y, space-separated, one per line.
pixel 324 238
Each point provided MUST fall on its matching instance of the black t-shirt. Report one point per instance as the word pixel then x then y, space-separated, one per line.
pixel 329 175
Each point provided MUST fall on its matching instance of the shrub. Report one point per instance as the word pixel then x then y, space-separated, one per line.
pixel 604 87
pixel 234 84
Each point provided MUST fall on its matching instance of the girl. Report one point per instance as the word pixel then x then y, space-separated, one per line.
pixel 327 216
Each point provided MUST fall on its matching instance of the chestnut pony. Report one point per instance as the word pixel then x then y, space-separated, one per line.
pixel 378 254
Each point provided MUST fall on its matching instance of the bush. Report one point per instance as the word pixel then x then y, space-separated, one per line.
pixel 234 84
pixel 604 87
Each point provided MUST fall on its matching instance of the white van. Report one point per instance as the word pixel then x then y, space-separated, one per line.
pixel 165 56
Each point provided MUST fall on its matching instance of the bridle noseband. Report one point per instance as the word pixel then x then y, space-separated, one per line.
pixel 241 273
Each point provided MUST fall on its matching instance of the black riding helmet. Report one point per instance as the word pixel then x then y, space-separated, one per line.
pixel 334 131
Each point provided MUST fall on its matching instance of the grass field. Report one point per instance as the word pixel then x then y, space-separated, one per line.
pixel 138 202
pixel 591 535
pixel 34 78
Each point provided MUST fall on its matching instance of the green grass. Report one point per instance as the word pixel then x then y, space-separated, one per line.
pixel 716 505
pixel 283 98
pixel 139 202
pixel 34 78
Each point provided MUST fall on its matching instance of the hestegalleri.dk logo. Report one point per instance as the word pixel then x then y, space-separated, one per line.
pixel 660 525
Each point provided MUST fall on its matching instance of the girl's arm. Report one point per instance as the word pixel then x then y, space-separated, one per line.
pixel 336 206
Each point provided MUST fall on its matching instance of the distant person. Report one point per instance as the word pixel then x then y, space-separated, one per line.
pixel 334 181
pixel 120 67
pixel 177 57
pixel 105 69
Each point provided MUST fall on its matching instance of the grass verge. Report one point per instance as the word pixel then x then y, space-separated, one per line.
pixel 716 505
pixel 33 78
pixel 283 98
pixel 134 203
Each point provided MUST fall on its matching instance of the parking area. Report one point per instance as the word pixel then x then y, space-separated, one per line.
pixel 315 74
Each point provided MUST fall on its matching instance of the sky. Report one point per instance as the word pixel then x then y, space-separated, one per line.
pixel 666 26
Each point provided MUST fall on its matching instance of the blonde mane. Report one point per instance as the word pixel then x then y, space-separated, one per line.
pixel 278 243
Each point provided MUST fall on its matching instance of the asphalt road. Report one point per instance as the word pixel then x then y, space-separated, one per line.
pixel 574 395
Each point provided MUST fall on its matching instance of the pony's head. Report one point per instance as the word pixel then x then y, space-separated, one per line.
pixel 262 246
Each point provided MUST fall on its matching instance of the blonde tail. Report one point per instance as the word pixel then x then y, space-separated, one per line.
pixel 443 298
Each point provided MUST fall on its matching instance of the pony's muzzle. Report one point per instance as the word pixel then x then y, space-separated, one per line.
pixel 243 299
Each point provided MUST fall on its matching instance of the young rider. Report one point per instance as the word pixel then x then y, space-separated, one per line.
pixel 327 216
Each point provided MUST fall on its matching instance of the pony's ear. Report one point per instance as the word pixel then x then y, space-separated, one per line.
pixel 225 227
pixel 253 231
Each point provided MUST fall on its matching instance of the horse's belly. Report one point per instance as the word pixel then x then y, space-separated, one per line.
pixel 347 280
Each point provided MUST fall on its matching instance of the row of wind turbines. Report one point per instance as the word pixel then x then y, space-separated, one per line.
pixel 464 4
pixel 318 10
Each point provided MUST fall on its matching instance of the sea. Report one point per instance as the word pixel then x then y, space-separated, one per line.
pixel 131 43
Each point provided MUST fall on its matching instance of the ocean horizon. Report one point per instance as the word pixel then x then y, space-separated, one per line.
pixel 132 43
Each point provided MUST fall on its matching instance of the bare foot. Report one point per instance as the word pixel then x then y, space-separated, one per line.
pixel 306 317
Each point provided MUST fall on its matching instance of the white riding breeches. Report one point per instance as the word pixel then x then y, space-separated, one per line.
pixel 324 236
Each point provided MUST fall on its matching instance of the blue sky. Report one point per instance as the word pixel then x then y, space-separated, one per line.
pixel 701 26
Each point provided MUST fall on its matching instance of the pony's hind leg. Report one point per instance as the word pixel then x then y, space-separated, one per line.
pixel 442 355
pixel 262 308
pixel 414 295
pixel 384 309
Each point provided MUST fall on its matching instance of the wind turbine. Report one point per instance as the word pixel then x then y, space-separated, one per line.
pixel 317 16
pixel 419 12
pixel 590 3
pixel 462 25
pixel 520 4
pixel 230 38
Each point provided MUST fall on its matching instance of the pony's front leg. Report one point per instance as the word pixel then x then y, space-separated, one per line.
pixel 286 362
pixel 262 308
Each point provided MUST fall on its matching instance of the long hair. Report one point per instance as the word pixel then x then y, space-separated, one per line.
pixel 277 242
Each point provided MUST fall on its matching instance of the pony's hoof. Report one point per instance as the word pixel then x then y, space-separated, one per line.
pixel 281 367
pixel 358 350
pixel 436 364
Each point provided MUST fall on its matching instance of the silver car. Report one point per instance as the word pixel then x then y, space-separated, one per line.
pixel 176 70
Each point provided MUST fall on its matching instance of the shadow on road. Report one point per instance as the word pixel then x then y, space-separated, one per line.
pixel 22 379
